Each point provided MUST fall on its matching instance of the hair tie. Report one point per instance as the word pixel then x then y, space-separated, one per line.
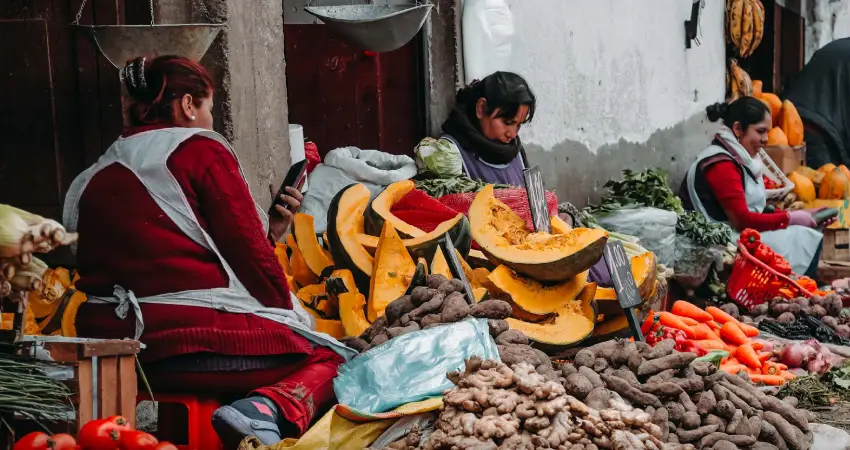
pixel 141 74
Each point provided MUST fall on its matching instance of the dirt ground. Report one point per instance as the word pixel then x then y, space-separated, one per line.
pixel 837 415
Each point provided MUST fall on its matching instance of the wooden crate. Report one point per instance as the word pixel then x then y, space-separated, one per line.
pixel 836 245
pixel 104 380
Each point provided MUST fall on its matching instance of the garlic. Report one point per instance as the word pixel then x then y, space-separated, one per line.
pixel 15 235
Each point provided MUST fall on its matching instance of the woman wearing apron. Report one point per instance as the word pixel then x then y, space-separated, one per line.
pixel 725 184
pixel 174 252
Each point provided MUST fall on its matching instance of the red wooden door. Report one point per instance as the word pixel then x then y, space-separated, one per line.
pixel 346 97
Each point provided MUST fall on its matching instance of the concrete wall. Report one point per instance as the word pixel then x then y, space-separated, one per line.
pixel 616 87
pixel 248 63
pixel 826 20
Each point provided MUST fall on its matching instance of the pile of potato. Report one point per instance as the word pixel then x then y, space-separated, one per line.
pixel 442 302
pixel 829 309
pixel 690 401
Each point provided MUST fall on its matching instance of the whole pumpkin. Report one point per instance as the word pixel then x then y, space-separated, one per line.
pixel 826 168
pixel 791 123
pixel 774 103
pixel 803 187
pixel 776 137
pixel 834 186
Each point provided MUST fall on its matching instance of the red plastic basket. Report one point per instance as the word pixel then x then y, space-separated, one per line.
pixel 752 282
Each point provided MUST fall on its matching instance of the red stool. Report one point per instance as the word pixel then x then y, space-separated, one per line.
pixel 201 435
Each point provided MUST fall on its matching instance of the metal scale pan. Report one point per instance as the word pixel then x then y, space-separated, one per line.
pixel 377 28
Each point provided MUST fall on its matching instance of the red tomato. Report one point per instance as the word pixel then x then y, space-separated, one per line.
pixel 100 435
pixel 121 421
pixel 165 446
pixel 137 440
pixel 33 441
pixel 62 441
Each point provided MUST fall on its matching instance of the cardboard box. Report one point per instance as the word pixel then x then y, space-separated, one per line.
pixel 787 158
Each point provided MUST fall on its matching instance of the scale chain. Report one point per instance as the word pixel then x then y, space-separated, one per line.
pixel 80 13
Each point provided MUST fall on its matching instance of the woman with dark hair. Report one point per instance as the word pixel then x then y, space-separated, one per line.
pixel 485 123
pixel 174 252
pixel 725 184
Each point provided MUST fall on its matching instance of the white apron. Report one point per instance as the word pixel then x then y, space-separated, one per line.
pixel 797 244
pixel 146 155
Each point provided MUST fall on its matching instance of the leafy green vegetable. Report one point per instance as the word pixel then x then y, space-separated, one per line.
pixel 439 157
pixel 461 184
pixel 695 226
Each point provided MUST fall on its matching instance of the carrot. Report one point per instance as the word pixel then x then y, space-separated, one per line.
pixel 673 321
pixel 732 369
pixel 713 325
pixel 719 315
pixel 748 356
pixel 763 357
pixel 688 321
pixel 748 329
pixel 771 368
pixel 769 380
pixel 685 309
pixel 703 331
pixel 732 333
pixel 711 344
pixel 757 346
pixel 787 375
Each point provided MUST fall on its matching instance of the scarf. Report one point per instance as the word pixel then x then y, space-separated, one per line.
pixel 470 138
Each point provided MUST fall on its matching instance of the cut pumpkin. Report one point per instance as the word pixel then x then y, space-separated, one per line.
pixel 574 322
pixel 280 250
pixel 643 272
pixel 791 123
pixel 426 245
pixel 505 239
pixel 69 317
pixel 419 278
pixel 776 137
pixel 300 271
pixel 476 259
pixel 558 225
pixel 532 298
pixel 612 327
pixel 826 168
pixel 379 211
pixel 440 265
pixel 315 297
pixel 803 187
pixel 345 215
pixel 774 103
pixel 315 256
pixel 352 313
pixel 834 185
pixel 815 176
pixel 392 274
pixel 331 327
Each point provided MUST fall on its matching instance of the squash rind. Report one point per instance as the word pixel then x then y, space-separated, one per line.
pixel 345 215
pixel 571 327
pixel 643 272
pixel 425 246
pixel 379 208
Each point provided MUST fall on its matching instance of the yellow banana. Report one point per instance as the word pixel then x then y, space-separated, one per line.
pixel 747 33
pixel 741 79
pixel 736 13
pixel 758 25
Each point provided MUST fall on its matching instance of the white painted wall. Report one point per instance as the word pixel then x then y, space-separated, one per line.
pixel 826 20
pixel 607 70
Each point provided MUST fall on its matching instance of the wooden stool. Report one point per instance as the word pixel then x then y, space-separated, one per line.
pixel 201 435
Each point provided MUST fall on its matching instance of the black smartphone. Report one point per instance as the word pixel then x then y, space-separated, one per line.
pixel 296 177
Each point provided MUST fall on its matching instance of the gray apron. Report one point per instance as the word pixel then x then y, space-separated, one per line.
pixel 797 244
pixel 146 155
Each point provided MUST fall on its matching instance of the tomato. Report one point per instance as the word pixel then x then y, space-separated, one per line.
pixel 62 441
pixel 100 435
pixel 165 446
pixel 121 421
pixel 137 440
pixel 33 441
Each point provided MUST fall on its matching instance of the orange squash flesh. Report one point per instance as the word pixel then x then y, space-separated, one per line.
pixel 304 230
pixel 574 323
pixel 379 211
pixel 300 271
pixel 643 272
pixel 393 271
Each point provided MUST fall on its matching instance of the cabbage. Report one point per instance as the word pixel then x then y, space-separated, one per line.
pixel 440 157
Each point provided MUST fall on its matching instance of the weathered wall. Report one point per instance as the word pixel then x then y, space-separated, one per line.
pixel 826 20
pixel 248 62
pixel 616 87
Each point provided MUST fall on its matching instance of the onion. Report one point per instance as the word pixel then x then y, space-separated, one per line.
pixel 794 355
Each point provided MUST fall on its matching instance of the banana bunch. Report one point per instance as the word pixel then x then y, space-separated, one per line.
pixel 744 25
pixel 738 83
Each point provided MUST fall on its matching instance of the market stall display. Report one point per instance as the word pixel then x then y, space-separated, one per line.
pixel 108 433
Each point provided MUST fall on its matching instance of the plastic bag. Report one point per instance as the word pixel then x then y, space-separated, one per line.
pixel 693 261
pixel 411 367
pixel 656 229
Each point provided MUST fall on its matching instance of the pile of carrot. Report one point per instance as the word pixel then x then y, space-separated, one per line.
pixel 712 329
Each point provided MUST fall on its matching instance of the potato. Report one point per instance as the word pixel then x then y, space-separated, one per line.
pixel 787 318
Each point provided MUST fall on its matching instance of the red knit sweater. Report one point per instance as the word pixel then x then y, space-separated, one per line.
pixel 727 185
pixel 127 240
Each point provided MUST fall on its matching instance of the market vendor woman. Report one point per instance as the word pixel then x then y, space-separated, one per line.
pixel 725 184
pixel 174 252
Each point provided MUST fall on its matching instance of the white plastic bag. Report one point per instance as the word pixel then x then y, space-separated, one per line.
pixel 487 32
pixel 348 165
pixel 656 229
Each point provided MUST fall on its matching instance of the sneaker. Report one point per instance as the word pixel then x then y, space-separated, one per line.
pixel 252 416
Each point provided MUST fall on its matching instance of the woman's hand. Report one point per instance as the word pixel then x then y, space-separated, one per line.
pixel 279 223
pixel 827 222
pixel 801 218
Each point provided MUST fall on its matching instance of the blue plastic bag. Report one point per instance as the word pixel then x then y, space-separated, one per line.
pixel 412 367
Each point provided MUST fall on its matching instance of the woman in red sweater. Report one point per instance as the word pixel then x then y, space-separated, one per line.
pixel 725 184
pixel 173 251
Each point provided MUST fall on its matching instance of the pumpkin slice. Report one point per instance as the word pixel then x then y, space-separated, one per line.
pixel 393 271
pixel 476 259
pixel 345 216
pixel 558 225
pixel 379 211
pixel 280 250
pixel 304 231
pixel 643 272
pixel 331 327
pixel 419 278
pixel 325 243
pixel 425 246
pixel 352 313
pixel 300 270
pixel 315 297
pixel 574 322
pixel 69 317
pixel 440 265
pixel 505 239
pixel 480 294
pixel 532 298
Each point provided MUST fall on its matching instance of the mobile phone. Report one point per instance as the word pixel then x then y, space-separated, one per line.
pixel 296 177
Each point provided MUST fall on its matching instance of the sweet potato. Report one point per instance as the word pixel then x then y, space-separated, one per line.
pixel 401 331
pixel 763 446
pixel 378 326
pixel 704 368
pixel 686 436
pixel 662 376
pixel 455 308
pixel 690 420
pixel 742 393
pixel 686 401
pixel 661 349
pixel 634 361
pixel 381 338
pixel 621 354
pixel 737 401
pixel 674 361
pixel 782 308
pixel 598 398
pixel 434 281
pixel 584 357
pixel 497 327
pixel 706 403
pixel 713 438
pixel 603 349
pixel 600 365
pixel 492 309
pixel 626 374
pixel 786 318
pixel 724 445
pixel 432 306
pixel 785 430
pixel 356 343
pixel 578 386
pixel 787 412
pixel 512 337
pixel 711 419
pixel 568 369
pixel 690 384
pixel 430 319
pixel 663 389
pixel 515 354
pixel 771 435
pixel 591 376
pixel 733 423
pixel 791 401
pixel 675 411
pixel 725 409
pixel 629 392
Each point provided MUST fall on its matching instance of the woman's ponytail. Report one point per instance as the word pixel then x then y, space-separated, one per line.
pixel 745 110
pixel 153 84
